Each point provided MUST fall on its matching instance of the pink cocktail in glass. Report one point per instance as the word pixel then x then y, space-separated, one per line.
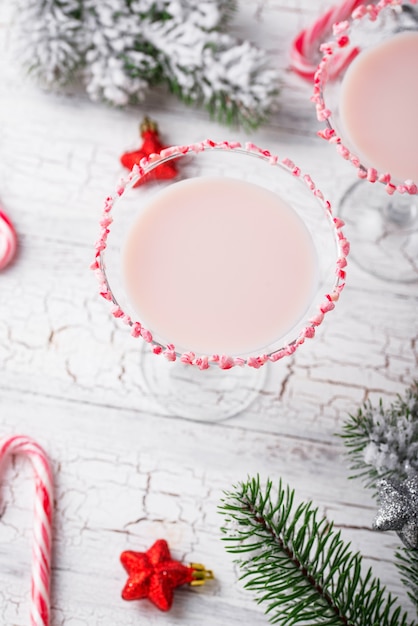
pixel 222 272
pixel 378 109
pixel 370 116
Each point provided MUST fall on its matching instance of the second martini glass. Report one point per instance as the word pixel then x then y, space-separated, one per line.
pixel 220 272
pixel 370 116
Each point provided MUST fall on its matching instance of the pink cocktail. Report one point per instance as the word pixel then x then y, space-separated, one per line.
pixel 370 115
pixel 379 98
pixel 230 268
pixel 215 250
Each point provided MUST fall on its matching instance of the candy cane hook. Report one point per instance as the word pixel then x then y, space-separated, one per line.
pixel 42 525
pixel 8 240
pixel 305 46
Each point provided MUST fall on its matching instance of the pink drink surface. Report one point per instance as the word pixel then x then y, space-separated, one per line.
pixel 219 266
pixel 378 106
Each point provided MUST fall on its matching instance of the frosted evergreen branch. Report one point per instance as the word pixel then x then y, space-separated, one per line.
pixel 231 80
pixel 299 567
pixel 50 39
pixel 383 442
pixel 120 49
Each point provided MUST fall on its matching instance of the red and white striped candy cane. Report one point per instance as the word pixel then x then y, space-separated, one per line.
pixel 42 525
pixel 305 47
pixel 8 240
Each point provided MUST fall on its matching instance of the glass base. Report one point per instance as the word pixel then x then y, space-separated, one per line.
pixel 210 395
pixel 383 230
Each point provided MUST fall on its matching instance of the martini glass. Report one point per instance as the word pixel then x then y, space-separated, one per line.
pixel 369 113
pixel 219 272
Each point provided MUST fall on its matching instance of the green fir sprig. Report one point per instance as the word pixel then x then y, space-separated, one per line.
pixel 407 564
pixel 299 567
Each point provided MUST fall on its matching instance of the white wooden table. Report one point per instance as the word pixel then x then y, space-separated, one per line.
pixel 126 472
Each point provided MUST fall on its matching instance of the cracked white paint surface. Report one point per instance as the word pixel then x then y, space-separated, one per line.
pixel 127 472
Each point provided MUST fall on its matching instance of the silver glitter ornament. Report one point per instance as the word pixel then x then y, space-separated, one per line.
pixel 399 509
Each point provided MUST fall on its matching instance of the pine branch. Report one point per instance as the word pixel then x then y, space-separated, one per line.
pixel 206 67
pixel 407 564
pixel 122 48
pixel 232 82
pixel 383 443
pixel 299 567
pixel 50 41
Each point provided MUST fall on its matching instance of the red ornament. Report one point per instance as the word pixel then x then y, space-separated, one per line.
pixel 151 145
pixel 154 575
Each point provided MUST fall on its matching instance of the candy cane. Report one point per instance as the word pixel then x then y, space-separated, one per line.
pixel 8 240
pixel 305 46
pixel 41 546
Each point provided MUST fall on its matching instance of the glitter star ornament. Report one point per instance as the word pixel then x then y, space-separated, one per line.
pixel 399 509
pixel 154 575
pixel 151 144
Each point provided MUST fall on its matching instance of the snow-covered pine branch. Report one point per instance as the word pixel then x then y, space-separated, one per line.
pixel 50 38
pixel 383 440
pixel 121 48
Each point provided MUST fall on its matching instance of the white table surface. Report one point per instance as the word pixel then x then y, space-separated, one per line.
pixel 126 472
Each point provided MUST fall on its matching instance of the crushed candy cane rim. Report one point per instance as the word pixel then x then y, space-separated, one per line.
pixel 330 50
pixel 224 361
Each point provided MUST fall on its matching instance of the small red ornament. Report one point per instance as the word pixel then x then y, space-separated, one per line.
pixel 151 145
pixel 154 575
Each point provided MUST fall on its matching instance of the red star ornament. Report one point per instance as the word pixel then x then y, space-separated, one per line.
pixel 151 145
pixel 154 575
